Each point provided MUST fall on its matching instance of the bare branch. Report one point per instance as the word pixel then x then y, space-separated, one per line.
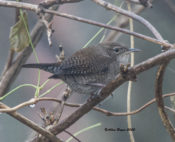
pixel 159 100
pixel 109 113
pixel 34 101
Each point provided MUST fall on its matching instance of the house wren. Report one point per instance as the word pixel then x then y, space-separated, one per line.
pixel 89 69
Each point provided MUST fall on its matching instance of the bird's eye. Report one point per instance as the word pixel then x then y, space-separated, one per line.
pixel 116 49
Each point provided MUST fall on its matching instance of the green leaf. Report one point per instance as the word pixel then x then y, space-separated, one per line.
pixel 18 34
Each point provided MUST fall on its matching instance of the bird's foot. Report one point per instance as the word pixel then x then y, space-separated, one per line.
pixel 92 97
pixel 127 73
pixel 124 70
pixel 66 94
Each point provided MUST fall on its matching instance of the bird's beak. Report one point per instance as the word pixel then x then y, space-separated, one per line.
pixel 134 50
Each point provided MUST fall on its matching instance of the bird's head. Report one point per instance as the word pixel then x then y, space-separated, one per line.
pixel 118 51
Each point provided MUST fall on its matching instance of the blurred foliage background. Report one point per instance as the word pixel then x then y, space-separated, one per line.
pixel 72 36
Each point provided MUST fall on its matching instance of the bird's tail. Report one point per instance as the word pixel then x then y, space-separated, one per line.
pixel 48 67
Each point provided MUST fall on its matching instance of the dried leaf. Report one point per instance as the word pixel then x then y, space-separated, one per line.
pixel 18 34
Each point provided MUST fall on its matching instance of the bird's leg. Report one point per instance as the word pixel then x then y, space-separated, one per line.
pixel 91 97
pixel 95 94
pixel 127 73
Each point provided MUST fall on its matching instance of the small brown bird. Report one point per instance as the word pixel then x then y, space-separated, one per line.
pixel 88 70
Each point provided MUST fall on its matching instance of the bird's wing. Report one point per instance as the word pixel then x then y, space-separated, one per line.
pixel 84 65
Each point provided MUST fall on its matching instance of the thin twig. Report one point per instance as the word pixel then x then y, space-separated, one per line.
pixel 131 26
pixel 159 99
pixel 170 109
pixel 61 108
pixel 106 112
